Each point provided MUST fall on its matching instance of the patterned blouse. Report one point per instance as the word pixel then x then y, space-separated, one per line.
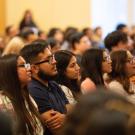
pixel 6 106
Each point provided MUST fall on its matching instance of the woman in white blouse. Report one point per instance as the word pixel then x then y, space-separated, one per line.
pixel 123 67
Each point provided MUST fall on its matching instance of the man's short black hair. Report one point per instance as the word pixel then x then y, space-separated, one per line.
pixel 121 26
pixel 31 51
pixel 113 38
pixel 75 38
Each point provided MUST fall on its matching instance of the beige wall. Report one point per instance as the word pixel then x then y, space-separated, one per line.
pixel 71 12
pixel 2 16
pixel 50 13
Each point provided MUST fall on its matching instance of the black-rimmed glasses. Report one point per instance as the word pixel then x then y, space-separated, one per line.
pixel 50 60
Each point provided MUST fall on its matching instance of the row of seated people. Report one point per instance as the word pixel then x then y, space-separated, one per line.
pixel 64 39
pixel 77 42
pixel 36 70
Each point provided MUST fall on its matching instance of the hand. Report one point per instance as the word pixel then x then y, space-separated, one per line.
pixel 56 121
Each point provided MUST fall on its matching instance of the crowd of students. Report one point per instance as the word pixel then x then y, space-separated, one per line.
pixel 62 83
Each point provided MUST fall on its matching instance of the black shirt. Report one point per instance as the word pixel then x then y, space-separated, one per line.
pixel 47 98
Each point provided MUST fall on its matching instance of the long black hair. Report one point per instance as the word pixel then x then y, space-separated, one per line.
pixel 91 66
pixel 26 112
pixel 63 58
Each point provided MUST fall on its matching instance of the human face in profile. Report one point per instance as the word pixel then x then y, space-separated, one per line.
pixel 107 63
pixel 24 71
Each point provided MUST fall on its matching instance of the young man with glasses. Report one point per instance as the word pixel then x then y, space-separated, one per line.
pixel 51 101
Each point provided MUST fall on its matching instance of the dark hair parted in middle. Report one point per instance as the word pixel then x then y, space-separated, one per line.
pixel 63 58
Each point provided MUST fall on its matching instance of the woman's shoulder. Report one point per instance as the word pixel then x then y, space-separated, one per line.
pixel 117 87
pixel 87 85
pixel 115 83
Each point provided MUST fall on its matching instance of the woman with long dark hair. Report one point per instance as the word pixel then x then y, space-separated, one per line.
pixel 123 67
pixel 95 62
pixel 14 96
pixel 68 72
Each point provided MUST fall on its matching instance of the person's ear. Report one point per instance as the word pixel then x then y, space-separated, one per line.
pixel 34 68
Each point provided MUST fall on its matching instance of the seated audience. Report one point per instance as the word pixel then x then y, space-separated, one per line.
pixel 51 100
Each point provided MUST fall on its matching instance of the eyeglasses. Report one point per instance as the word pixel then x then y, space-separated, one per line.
pixel 50 60
pixel 26 65
pixel 131 60
pixel 107 59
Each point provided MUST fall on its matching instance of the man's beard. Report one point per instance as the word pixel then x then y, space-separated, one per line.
pixel 44 76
